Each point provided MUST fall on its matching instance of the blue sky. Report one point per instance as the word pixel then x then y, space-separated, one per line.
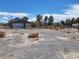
pixel 34 7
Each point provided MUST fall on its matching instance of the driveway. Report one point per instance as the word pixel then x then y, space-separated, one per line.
pixel 51 45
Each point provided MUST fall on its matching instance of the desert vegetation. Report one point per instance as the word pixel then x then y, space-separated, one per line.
pixel 33 35
pixel 45 38
pixel 2 34
pixel 48 22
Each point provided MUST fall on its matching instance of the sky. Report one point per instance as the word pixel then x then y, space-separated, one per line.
pixel 60 9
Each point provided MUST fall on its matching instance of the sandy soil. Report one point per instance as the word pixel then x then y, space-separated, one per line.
pixel 51 44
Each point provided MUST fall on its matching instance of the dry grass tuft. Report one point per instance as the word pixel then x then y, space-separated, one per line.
pixel 56 28
pixel 73 38
pixel 2 34
pixel 33 35
pixel 4 27
pixel 68 31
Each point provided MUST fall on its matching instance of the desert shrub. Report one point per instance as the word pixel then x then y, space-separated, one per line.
pixel 61 27
pixel 57 29
pixel 73 38
pixel 33 35
pixel 2 34
pixel 78 26
pixel 50 27
pixel 78 30
pixel 33 24
pixel 66 50
pixel 68 31
pixel 22 33
pixel 4 27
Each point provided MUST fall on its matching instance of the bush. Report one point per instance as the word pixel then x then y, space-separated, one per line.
pixel 4 27
pixel 2 34
pixel 73 38
pixel 78 26
pixel 33 35
pixel 33 24
pixel 57 29
pixel 68 31
pixel 78 30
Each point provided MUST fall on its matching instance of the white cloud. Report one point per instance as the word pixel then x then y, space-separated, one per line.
pixel 5 16
pixel 4 19
pixel 33 19
pixel 13 14
pixel 58 17
pixel 73 11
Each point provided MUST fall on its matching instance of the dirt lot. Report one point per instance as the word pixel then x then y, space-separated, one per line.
pixel 51 44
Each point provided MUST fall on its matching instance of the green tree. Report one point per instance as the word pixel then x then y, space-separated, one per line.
pixel 78 23
pixel 73 20
pixel 39 19
pixel 45 21
pixel 50 20
pixel 62 22
pixel 68 23
pixel 77 19
pixel 25 18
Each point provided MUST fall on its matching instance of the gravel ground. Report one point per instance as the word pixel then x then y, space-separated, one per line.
pixel 51 45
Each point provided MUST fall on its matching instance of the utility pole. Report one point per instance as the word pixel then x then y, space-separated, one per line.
pixel 11 17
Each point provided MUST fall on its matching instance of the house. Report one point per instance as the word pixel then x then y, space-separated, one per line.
pixel 18 23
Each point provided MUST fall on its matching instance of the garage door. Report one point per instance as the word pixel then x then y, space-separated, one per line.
pixel 17 25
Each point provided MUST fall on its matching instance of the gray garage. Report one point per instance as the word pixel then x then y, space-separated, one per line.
pixel 18 23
